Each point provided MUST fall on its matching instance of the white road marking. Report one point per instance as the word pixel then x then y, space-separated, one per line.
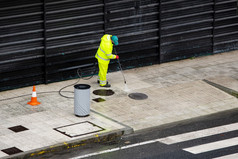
pixel 116 149
pixel 213 146
pixel 185 137
pixel 199 134
pixel 232 156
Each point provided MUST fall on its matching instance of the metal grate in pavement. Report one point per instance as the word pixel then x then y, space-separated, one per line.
pixel 12 150
pixel 99 100
pixel 103 92
pixel 79 129
pixel 18 128
pixel 138 96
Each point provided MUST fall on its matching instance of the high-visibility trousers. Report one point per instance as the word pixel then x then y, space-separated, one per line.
pixel 102 74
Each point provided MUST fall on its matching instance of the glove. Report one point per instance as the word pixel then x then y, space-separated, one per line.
pixel 117 57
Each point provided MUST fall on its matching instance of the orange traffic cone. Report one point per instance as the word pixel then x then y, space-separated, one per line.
pixel 33 101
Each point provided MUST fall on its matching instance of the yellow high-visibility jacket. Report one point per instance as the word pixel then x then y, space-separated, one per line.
pixel 104 52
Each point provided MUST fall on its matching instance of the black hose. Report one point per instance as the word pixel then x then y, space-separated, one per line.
pixel 79 73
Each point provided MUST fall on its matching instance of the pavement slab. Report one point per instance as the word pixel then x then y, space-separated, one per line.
pixel 176 91
pixel 225 81
pixel 170 105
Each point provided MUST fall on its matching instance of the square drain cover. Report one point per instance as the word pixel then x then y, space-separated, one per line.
pixel 99 100
pixel 18 128
pixel 79 129
pixel 12 150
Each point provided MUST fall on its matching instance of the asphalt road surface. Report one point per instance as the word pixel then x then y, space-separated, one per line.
pixel 214 136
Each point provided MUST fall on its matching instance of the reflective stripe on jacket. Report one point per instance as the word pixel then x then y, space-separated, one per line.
pixel 104 52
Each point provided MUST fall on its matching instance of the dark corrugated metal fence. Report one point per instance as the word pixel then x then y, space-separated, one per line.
pixel 21 47
pixel 73 32
pixel 44 41
pixel 186 28
pixel 226 26
pixel 136 23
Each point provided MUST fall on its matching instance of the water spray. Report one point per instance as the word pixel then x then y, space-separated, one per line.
pixel 136 96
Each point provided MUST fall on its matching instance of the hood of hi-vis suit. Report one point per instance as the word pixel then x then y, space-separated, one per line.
pixel 104 52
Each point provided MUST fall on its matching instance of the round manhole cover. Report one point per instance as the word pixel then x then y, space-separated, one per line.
pixel 138 96
pixel 103 92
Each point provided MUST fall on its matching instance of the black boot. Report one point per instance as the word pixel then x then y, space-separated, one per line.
pixel 107 85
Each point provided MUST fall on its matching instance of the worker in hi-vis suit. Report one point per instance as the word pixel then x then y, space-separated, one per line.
pixel 103 55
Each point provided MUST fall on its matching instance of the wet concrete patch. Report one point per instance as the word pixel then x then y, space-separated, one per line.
pixel 103 92
pixel 138 96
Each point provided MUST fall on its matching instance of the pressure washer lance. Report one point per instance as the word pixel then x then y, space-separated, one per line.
pixel 126 88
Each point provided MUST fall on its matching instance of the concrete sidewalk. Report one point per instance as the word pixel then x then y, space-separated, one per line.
pixel 176 91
